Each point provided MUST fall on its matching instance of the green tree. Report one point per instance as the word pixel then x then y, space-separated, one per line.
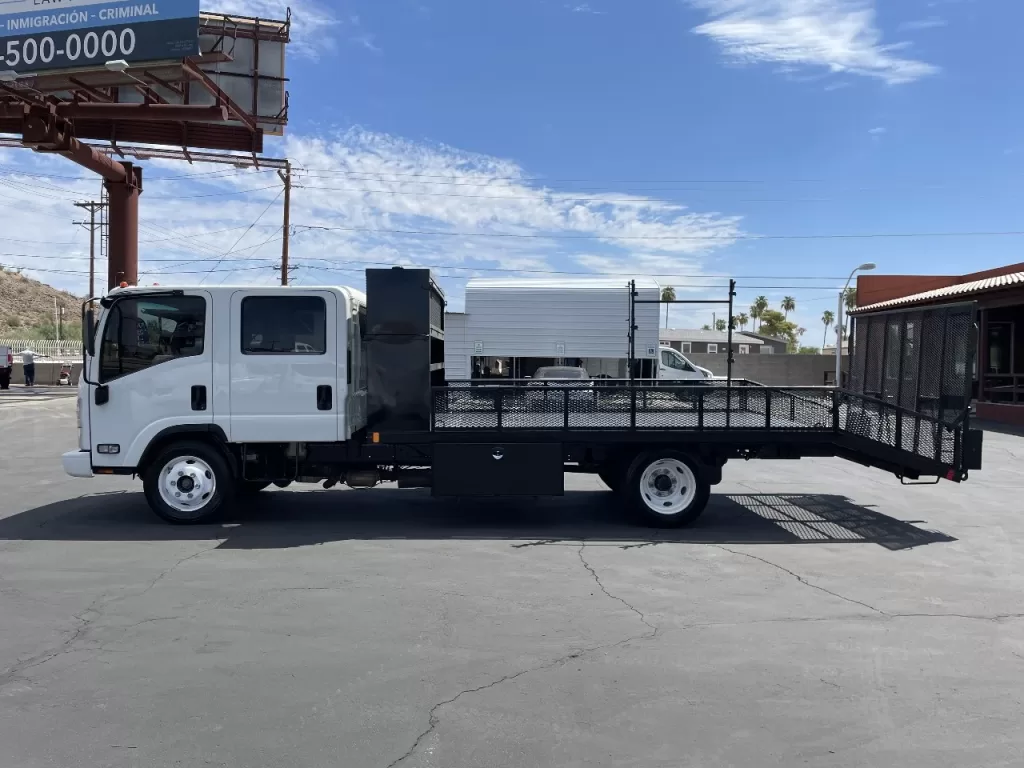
pixel 721 324
pixel 668 293
pixel 705 327
pixel 827 318
pixel 742 320
pixel 758 308
pixel 788 305
pixel 808 351
pixel 774 323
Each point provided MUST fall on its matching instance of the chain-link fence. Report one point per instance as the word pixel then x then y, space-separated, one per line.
pixel 65 348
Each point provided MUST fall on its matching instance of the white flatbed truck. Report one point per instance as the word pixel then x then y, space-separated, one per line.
pixel 209 394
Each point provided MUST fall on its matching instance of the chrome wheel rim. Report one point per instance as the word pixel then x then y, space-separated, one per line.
pixel 187 484
pixel 668 486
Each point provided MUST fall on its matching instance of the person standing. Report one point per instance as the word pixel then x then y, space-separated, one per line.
pixel 28 362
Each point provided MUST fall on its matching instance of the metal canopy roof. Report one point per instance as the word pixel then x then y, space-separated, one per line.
pixel 952 291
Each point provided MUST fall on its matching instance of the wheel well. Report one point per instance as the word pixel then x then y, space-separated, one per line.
pixel 710 463
pixel 214 437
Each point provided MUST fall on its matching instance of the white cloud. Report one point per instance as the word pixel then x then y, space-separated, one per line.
pixel 361 199
pixel 838 35
pixel 314 23
pixel 877 131
pixel 585 8
pixel 930 23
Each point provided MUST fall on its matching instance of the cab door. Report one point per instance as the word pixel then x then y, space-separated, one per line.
pixel 284 366
pixel 153 370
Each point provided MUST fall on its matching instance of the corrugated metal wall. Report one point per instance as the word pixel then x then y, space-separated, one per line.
pixel 457 350
pixel 533 318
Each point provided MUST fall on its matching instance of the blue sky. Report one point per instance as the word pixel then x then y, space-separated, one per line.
pixel 675 137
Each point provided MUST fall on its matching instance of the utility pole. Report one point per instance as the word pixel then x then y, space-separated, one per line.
pixel 93 208
pixel 286 177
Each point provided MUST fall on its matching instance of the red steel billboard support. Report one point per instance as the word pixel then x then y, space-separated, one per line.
pixel 44 131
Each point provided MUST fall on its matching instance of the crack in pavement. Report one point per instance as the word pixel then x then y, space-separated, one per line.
pixel 801 579
pixel 96 607
pixel 433 720
pixel 879 611
pixel 600 584
pixel 160 576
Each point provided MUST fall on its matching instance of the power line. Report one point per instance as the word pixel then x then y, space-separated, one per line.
pixel 566 196
pixel 215 194
pixel 712 238
pixel 182 235
pixel 255 221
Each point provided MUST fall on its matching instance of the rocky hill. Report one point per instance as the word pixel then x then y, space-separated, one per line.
pixel 26 308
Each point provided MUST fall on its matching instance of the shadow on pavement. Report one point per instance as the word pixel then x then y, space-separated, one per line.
pixel 299 518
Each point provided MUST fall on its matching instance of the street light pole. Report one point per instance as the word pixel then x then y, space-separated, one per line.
pixel 866 267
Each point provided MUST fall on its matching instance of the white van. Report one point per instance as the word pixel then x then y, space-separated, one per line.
pixel 673 366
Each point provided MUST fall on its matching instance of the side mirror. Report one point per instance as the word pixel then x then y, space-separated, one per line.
pixel 89 329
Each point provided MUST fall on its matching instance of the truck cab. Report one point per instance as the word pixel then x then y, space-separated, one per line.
pixel 242 364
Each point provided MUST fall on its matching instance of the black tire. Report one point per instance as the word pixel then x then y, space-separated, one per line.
pixel 249 488
pixel 643 501
pixel 217 468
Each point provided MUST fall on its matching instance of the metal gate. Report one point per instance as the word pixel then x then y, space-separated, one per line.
pixel 919 359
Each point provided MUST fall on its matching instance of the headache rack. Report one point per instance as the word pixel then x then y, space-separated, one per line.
pixel 813 420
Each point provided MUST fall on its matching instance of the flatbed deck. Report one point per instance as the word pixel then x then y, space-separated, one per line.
pixel 852 425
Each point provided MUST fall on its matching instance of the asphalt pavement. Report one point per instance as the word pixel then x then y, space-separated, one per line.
pixel 818 614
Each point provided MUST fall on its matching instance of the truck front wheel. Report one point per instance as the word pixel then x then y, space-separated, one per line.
pixel 666 489
pixel 189 483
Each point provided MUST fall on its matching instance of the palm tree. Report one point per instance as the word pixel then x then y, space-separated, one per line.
pixel 742 320
pixel 849 303
pixel 788 305
pixel 668 293
pixel 758 307
pixel 827 317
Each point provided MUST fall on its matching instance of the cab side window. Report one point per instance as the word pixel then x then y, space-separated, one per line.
pixel 284 325
pixel 143 332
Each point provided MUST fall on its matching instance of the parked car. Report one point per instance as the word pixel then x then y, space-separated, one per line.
pixel 561 376
pixel 6 367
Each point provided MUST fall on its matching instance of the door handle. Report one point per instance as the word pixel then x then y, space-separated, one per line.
pixel 324 399
pixel 198 398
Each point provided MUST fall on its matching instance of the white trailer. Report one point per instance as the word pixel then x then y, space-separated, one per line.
pixel 522 323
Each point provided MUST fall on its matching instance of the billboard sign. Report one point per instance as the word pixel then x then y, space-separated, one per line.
pixel 52 35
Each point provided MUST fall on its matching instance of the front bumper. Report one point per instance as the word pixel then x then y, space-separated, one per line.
pixel 77 463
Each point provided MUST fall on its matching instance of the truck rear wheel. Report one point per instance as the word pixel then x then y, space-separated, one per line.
pixel 189 483
pixel 666 489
